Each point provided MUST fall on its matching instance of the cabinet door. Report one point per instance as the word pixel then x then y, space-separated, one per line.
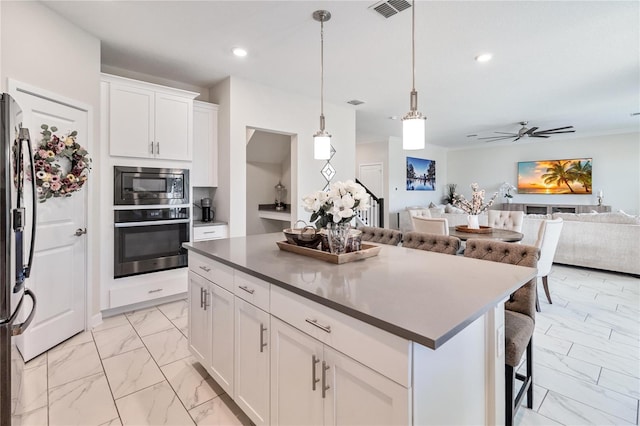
pixel 357 395
pixel 252 361
pixel 199 319
pixel 222 312
pixel 131 121
pixel 173 127
pixel 296 362
pixel 204 171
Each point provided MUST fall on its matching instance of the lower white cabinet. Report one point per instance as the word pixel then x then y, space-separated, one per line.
pixel 199 319
pixel 252 361
pixel 211 329
pixel 312 383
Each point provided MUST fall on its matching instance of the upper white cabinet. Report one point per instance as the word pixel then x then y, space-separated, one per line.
pixel 149 121
pixel 204 170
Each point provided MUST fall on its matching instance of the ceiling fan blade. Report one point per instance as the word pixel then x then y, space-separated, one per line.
pixel 516 139
pixel 555 133
pixel 497 138
pixel 538 135
pixel 507 133
pixel 531 130
pixel 553 130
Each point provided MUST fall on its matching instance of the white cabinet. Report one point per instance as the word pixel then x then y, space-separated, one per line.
pixel 199 319
pixel 311 383
pixel 211 319
pixel 252 361
pixel 204 170
pixel 210 232
pixel 149 121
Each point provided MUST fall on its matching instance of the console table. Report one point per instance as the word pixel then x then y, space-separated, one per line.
pixel 530 208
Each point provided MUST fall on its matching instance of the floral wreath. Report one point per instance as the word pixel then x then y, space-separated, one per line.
pixel 52 179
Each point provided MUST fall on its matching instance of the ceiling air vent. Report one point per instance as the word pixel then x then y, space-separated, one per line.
pixel 390 7
pixel 355 102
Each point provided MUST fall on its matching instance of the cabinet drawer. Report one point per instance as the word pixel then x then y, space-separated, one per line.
pixel 135 293
pixel 213 271
pixel 381 351
pixel 201 233
pixel 252 289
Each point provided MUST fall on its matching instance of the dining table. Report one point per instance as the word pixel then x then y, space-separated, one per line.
pixel 486 233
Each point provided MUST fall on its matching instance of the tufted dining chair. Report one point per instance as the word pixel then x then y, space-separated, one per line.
pixel 502 219
pixel 519 317
pixel 381 235
pixel 439 226
pixel 431 242
pixel 547 242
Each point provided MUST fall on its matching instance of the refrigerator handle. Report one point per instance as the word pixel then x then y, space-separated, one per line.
pixel 18 329
pixel 24 134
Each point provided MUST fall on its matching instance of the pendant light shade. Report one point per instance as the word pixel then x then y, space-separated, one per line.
pixel 321 139
pixel 413 123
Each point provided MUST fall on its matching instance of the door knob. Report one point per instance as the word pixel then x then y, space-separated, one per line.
pixel 80 232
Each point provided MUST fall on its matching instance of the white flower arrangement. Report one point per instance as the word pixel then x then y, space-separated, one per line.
pixel 476 205
pixel 338 205
pixel 505 190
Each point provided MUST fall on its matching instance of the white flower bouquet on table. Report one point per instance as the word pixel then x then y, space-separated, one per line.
pixel 339 205
pixel 477 204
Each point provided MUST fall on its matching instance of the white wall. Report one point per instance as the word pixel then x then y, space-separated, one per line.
pixel 42 49
pixel 245 104
pixel 616 168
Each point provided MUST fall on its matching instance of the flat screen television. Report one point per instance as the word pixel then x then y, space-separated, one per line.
pixel 571 176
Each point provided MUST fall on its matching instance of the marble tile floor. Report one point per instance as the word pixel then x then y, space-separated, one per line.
pixel 135 369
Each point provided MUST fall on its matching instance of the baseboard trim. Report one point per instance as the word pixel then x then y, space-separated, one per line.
pixel 106 313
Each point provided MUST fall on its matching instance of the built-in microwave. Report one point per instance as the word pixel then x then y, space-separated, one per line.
pixel 146 185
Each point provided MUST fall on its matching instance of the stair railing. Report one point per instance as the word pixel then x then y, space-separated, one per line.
pixel 374 215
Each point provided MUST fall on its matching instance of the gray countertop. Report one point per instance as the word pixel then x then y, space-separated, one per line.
pixel 421 296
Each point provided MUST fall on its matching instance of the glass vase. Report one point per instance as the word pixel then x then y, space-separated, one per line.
pixel 338 236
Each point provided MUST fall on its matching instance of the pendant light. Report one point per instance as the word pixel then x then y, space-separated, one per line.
pixel 413 122
pixel 321 139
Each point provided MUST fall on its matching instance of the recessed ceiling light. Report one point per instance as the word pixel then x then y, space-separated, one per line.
pixel 239 51
pixel 355 102
pixel 485 57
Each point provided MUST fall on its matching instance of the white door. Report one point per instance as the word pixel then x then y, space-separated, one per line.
pixel 199 319
pixel 296 385
pixel 220 304
pixel 252 361
pixel 59 274
pixel 371 176
pixel 383 401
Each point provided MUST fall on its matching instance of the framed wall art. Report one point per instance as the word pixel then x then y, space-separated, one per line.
pixel 421 174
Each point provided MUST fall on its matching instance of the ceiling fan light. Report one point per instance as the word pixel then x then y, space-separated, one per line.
pixel 413 131
pixel 322 146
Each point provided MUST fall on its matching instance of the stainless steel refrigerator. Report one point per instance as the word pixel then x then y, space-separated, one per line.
pixel 16 254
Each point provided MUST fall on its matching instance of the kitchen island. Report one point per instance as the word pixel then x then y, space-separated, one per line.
pixel 405 337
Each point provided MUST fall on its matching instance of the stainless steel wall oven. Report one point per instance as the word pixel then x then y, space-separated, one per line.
pixel 150 240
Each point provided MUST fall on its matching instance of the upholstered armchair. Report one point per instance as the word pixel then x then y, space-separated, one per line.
pixel 431 242
pixel 381 235
pixel 519 317
pixel 503 219
pixel 439 226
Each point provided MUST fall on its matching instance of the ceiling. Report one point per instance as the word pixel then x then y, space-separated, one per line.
pixel 555 63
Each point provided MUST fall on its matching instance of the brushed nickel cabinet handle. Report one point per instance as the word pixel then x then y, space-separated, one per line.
pixel 206 300
pixel 314 380
pixel 151 148
pixel 154 291
pixel 247 289
pixel 157 148
pixel 325 328
pixel 325 387
pixel 263 344
pixel 204 268
pixel 201 297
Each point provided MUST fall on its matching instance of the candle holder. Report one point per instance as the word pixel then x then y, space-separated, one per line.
pixel 599 200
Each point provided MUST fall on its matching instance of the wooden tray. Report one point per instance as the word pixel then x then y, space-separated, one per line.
pixel 482 230
pixel 367 250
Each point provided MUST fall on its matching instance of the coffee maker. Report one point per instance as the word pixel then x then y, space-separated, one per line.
pixel 207 213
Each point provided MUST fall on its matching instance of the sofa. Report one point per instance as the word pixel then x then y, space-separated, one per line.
pixel 608 241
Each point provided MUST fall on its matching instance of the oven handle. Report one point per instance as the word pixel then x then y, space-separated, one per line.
pixel 150 223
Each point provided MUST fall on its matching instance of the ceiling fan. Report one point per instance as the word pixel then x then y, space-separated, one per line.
pixel 532 132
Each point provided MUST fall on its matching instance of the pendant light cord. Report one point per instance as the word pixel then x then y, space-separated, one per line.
pixel 413 45
pixel 322 73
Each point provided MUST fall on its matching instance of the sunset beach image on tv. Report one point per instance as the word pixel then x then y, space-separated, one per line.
pixel 555 176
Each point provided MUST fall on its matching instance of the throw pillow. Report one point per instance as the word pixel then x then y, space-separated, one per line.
pixel 431 205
